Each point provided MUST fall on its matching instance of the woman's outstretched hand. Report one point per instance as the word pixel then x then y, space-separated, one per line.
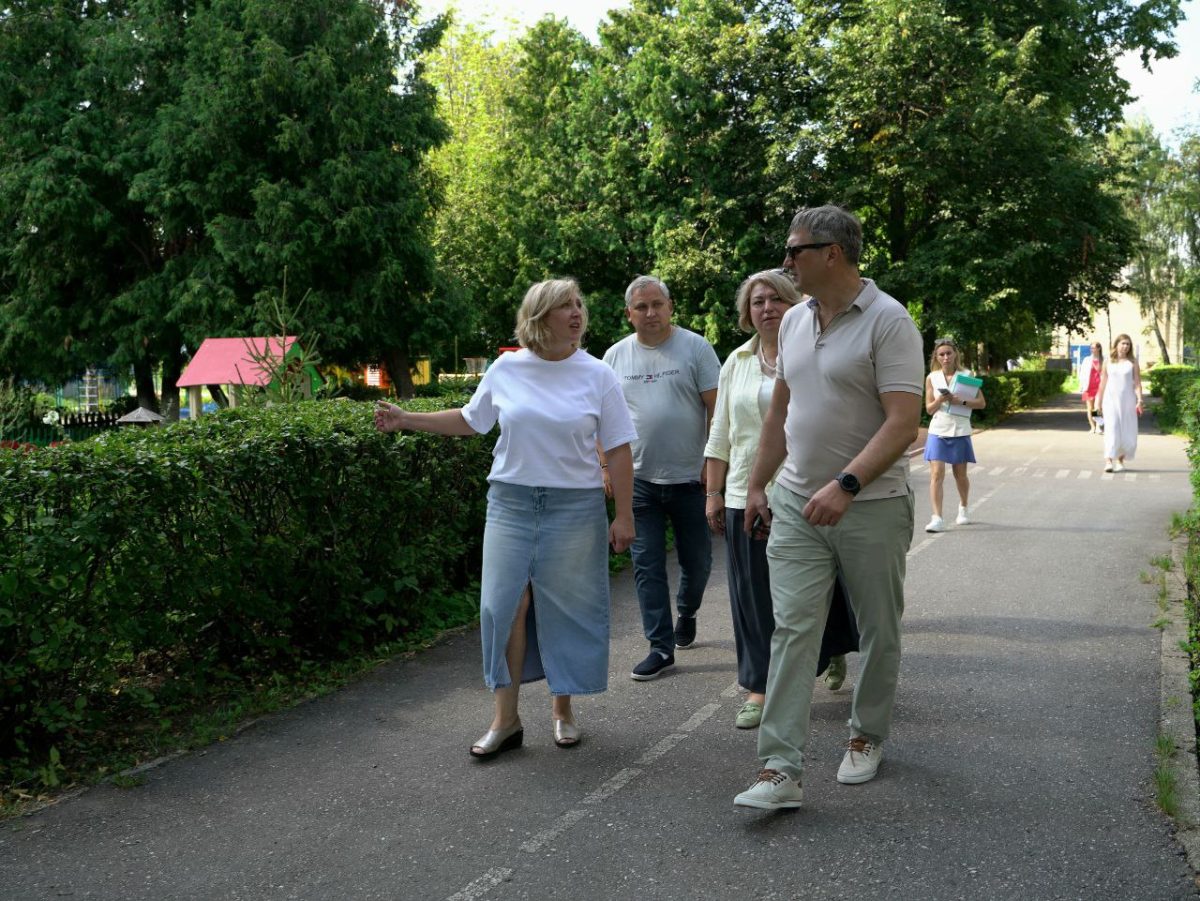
pixel 388 417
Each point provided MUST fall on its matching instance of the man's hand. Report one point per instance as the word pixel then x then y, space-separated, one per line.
pixel 757 509
pixel 828 506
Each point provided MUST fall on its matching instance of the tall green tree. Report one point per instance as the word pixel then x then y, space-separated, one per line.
pixel 966 135
pixel 472 238
pixel 651 152
pixel 296 146
pixel 1154 185
pixel 76 113
pixel 166 162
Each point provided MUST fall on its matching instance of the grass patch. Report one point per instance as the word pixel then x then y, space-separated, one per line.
pixel 1164 777
pixel 1164 563
pixel 108 754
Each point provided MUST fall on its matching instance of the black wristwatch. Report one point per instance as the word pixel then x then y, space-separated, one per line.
pixel 848 481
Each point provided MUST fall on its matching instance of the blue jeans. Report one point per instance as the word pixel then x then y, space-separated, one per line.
pixel 653 506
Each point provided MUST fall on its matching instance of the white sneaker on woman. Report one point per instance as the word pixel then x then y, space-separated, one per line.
pixel 936 525
pixel 962 519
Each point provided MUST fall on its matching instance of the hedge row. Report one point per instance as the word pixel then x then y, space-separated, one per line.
pixel 1008 392
pixel 1172 384
pixel 148 567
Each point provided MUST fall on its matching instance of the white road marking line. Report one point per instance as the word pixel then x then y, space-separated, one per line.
pixel 1106 476
pixel 1020 470
pixel 920 547
pixel 1085 474
pixel 1040 473
pixel 482 885
pixel 997 470
pixel 661 748
pixel 615 784
pixel 732 691
pixel 1154 477
pixel 1131 477
pixel 561 825
pixel 699 717
pixel 1062 473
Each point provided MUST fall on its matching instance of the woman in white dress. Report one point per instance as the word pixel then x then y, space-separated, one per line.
pixel 1121 402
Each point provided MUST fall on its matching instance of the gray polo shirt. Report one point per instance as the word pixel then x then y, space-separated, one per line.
pixel 662 387
pixel 835 378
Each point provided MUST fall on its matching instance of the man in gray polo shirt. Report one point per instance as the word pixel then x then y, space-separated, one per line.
pixel 669 376
pixel 846 405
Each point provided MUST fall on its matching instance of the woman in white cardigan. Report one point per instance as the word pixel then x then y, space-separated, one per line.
pixel 743 394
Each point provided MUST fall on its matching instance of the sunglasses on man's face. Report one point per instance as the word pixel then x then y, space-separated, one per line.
pixel 793 250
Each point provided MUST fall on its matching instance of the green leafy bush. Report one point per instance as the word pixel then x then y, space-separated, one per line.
pixel 1173 384
pixel 1160 376
pixel 147 567
pixel 1008 392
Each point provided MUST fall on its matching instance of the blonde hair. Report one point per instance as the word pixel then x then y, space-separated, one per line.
pixel 934 365
pixel 783 285
pixel 540 299
pixel 1113 352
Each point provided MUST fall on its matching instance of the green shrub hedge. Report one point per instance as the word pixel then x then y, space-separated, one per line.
pixel 147 567
pixel 1008 392
pixel 1173 384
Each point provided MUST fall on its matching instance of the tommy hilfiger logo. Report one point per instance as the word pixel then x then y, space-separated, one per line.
pixel 649 377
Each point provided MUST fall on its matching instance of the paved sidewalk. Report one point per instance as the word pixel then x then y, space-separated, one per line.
pixel 1020 766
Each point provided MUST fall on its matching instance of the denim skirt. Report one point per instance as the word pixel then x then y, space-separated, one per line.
pixel 950 450
pixel 555 541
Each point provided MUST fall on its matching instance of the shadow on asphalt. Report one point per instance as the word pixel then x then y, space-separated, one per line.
pixel 1028 629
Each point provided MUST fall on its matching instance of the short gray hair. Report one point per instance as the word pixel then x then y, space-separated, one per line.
pixel 646 281
pixel 833 224
pixel 783 284
pixel 540 299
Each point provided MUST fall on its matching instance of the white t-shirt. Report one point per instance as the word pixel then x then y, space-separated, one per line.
pixel 550 412
pixel 662 386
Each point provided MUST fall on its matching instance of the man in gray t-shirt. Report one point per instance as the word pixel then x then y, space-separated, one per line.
pixel 669 376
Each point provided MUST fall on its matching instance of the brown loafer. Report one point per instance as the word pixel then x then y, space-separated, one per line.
pixel 566 735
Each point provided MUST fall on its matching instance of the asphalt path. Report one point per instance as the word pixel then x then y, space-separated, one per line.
pixel 1019 766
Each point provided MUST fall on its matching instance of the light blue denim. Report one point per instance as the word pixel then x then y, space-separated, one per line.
pixel 556 541
pixel 683 505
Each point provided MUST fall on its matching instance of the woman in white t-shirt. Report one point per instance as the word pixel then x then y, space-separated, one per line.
pixel 544 605
pixel 949 439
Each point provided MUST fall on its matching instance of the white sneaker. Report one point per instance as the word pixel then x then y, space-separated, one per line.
pixel 1120 467
pixel 1108 467
pixel 936 524
pixel 962 519
pixel 772 791
pixel 861 762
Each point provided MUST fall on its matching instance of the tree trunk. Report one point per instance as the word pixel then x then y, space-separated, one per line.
pixel 1162 344
pixel 218 396
pixel 143 380
pixel 397 364
pixel 172 369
